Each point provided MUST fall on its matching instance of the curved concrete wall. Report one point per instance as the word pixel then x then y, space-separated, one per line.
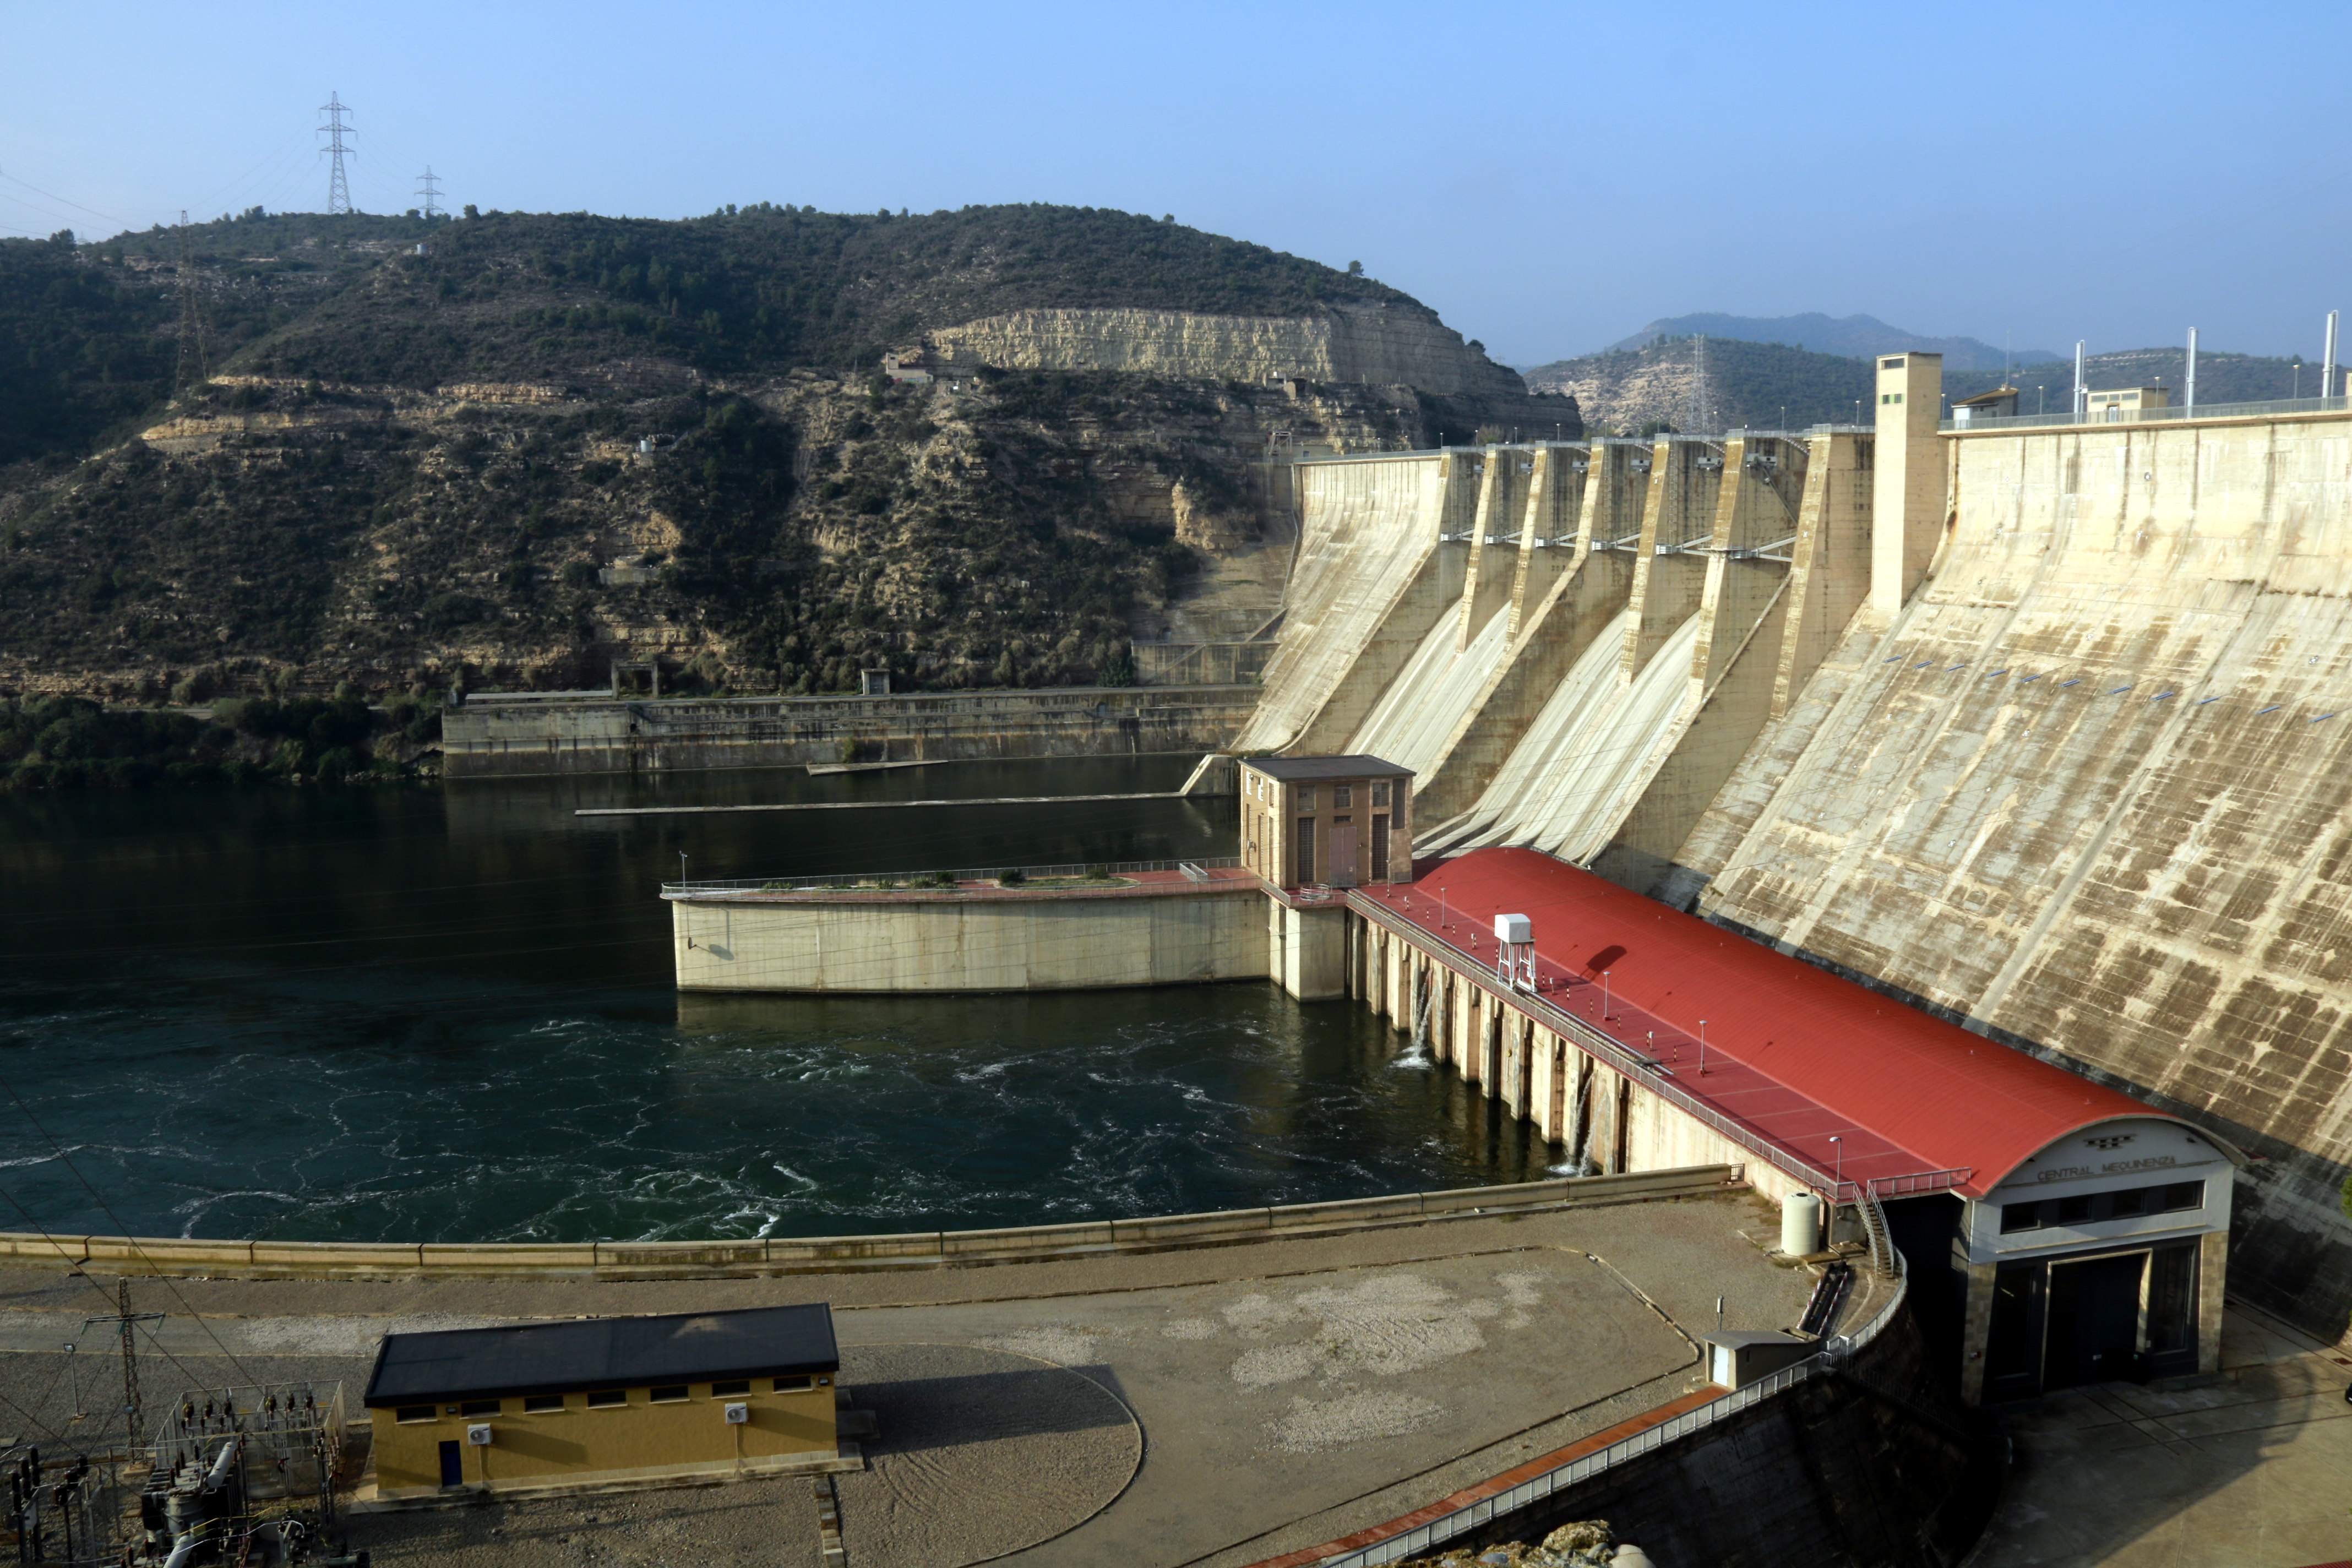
pixel 823 1254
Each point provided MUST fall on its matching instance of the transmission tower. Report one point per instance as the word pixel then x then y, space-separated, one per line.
pixel 430 189
pixel 192 370
pixel 338 190
pixel 1697 417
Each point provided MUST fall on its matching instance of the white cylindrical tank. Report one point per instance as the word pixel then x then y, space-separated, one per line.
pixel 1631 1556
pixel 1801 1225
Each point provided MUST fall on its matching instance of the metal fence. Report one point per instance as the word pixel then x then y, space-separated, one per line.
pixel 2271 409
pixel 908 881
pixel 1461 1521
pixel 1236 663
pixel 1645 1070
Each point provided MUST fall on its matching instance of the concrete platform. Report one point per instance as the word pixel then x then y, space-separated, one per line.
pixel 1288 1391
pixel 2247 1468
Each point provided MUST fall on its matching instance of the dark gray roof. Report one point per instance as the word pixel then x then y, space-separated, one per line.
pixel 603 1352
pixel 1325 767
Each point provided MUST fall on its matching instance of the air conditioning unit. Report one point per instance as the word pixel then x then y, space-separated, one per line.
pixel 478 1434
pixel 738 1414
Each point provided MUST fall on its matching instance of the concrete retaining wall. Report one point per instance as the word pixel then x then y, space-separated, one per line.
pixel 488 738
pixel 837 1254
pixel 1028 941
pixel 1874 1465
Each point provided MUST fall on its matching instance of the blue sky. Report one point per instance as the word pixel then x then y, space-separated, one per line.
pixel 1550 177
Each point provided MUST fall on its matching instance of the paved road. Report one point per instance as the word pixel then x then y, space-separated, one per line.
pixel 2247 1468
pixel 1287 1393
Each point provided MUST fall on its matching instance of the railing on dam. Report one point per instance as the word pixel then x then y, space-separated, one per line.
pixel 1430 1534
pixel 2274 408
pixel 1645 1069
pixel 872 881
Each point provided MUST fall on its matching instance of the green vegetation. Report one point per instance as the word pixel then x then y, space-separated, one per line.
pixel 763 288
pixel 509 450
pixel 72 743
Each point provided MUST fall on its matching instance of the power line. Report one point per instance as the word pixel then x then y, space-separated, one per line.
pixel 339 189
pixel 53 196
pixel 430 189
pixel 125 1232
pixel 192 370
pixel 73 1271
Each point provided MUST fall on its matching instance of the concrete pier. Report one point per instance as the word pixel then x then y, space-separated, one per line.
pixel 1148 928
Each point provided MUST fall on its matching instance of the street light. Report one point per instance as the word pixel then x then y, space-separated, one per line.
pixel 1702 1047
pixel 1837 1187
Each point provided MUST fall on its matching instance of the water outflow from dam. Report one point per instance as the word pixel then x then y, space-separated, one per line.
pixel 1570 779
pixel 1417 714
pixel 448 1015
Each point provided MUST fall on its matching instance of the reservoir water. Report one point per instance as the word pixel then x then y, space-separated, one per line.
pixel 446 1015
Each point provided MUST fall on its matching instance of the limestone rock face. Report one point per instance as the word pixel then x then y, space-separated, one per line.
pixel 1386 346
pixel 1205 526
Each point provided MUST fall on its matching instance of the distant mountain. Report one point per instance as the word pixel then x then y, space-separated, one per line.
pixel 1774 386
pixel 1856 337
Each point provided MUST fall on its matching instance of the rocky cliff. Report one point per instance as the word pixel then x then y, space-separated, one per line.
pixel 513 448
pixel 1377 343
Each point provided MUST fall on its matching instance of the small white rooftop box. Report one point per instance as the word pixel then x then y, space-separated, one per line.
pixel 1514 929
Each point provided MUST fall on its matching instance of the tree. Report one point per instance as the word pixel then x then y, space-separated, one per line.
pixel 472 211
pixel 1355 269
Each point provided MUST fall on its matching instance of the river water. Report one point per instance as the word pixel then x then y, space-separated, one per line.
pixel 448 1014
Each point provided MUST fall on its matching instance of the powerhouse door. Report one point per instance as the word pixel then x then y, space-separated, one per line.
pixel 2093 1325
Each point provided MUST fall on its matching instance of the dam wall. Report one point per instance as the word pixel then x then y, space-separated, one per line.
pixel 1369 581
pixel 2085 792
pixel 493 736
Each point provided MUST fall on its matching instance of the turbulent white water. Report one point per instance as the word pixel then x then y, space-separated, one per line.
pixel 448 1017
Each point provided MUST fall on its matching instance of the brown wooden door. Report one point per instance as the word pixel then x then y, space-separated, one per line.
pixel 1343 853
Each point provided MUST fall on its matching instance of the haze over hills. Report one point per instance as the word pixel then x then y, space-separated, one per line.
pixel 1634 391
pixel 524 444
pixel 1858 336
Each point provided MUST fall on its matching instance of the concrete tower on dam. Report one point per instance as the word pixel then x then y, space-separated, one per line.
pixel 2033 723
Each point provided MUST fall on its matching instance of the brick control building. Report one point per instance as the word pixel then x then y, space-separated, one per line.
pixel 1340 822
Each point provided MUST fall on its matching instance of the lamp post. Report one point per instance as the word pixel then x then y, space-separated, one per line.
pixel 1702 1047
pixel 1837 1186
pixel 1605 1014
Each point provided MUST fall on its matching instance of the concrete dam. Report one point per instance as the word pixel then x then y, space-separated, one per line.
pixel 2039 725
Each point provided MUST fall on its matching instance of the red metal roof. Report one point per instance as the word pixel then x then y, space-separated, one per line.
pixel 1795 1052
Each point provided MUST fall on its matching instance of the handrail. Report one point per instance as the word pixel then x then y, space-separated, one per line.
pixel 2175 414
pixel 1630 1064
pixel 888 881
pixel 1834 1352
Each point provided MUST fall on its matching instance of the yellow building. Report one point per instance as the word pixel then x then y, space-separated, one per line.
pixel 2125 403
pixel 555 1405
pixel 1340 822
